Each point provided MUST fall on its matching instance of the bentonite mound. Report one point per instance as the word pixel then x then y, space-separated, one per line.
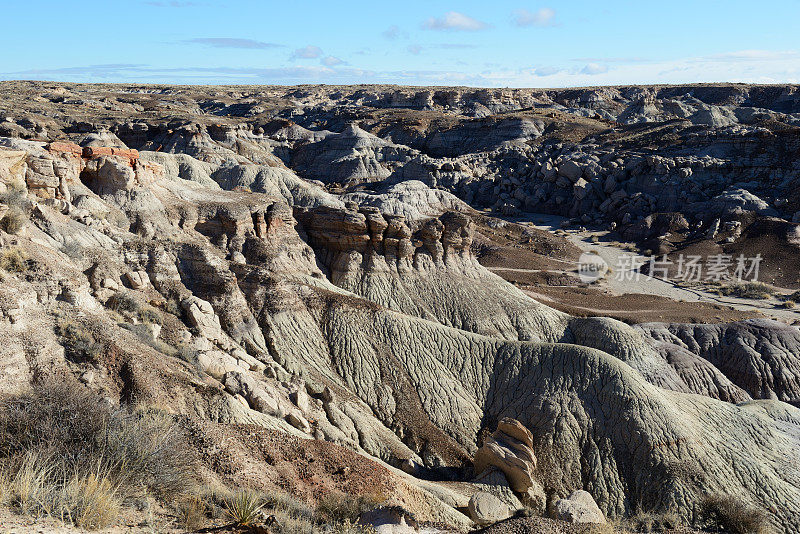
pixel 364 320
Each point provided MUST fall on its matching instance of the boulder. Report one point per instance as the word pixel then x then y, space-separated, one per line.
pixel 137 279
pixel 509 449
pixel 217 363
pixel 201 316
pixel 389 519
pixel 494 481
pixel 486 509
pixel 570 170
pixel 579 507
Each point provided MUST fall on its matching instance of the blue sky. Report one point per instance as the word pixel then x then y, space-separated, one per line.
pixel 499 43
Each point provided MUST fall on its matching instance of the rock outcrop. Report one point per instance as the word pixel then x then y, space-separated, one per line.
pixel 579 507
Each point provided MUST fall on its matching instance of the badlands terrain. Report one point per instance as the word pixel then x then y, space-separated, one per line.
pixel 371 294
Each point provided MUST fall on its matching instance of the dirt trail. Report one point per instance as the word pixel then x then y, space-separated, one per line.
pixel 625 280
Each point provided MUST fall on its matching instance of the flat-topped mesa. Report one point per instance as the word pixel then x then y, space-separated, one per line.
pixel 362 239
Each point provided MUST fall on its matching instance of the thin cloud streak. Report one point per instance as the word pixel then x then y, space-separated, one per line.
pixel 173 4
pixel 231 42
pixel 731 67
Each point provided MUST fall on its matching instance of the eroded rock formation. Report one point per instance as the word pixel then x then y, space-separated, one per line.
pixel 208 277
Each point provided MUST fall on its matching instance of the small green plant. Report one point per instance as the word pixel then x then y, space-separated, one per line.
pixel 243 507
pixel 730 514
pixel 14 260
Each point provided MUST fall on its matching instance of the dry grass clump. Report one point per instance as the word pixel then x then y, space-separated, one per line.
pixel 748 290
pixel 192 512
pixel 66 454
pixel 336 513
pixel 653 522
pixel 79 344
pixel 13 221
pixel 342 508
pixel 14 260
pixel 727 513
pixel 125 304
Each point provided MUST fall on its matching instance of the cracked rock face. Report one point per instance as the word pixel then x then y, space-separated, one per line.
pixel 217 274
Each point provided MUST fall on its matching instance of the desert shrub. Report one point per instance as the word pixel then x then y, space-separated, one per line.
pixel 728 513
pixel 289 505
pixel 244 507
pixel 793 297
pixel 78 342
pixel 86 500
pixel 69 455
pixel 343 508
pixel 289 524
pixel 146 450
pixel 600 528
pixel 789 304
pixel 13 221
pixel 14 260
pixel 350 528
pixel 124 303
pixel 748 290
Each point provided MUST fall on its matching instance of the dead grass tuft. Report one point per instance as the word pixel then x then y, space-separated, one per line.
pixel 14 260
pixel 730 514
pixel 14 221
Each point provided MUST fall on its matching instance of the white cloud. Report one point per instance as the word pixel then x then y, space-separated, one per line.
pixel 545 71
pixel 415 49
pixel 394 32
pixel 542 17
pixel 594 68
pixel 307 52
pixel 331 61
pixel 454 20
